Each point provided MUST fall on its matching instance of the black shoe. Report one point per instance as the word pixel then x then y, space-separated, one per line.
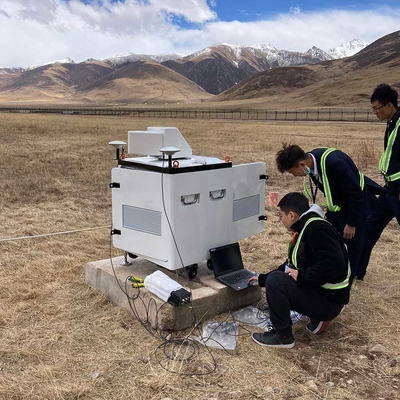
pixel 271 338
pixel 317 327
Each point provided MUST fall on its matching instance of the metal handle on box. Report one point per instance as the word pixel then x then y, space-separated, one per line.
pixel 195 199
pixel 221 195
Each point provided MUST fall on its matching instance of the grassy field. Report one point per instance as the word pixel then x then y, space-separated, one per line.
pixel 60 339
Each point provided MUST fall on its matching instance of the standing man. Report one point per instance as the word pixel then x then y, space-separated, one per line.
pixel 347 191
pixel 384 104
pixel 314 280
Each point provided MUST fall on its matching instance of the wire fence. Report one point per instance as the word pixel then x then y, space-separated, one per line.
pixel 345 115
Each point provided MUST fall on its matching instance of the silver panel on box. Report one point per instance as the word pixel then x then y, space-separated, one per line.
pixel 246 207
pixel 141 219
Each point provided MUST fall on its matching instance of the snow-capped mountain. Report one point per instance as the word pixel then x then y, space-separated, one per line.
pixel 61 61
pixel 130 57
pixel 347 49
pixel 220 66
pixel 265 48
pixel 318 53
pixel 275 57
pixel 283 58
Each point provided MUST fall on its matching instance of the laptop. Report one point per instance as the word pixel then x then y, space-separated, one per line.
pixel 227 264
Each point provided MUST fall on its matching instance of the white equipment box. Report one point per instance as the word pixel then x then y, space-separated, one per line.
pixel 172 209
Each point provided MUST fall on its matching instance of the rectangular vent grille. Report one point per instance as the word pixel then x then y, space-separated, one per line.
pixel 246 207
pixel 141 219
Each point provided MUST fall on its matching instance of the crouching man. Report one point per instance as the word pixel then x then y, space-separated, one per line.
pixel 314 280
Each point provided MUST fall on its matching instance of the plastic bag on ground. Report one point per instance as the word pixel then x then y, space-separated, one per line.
pixel 219 335
pixel 253 316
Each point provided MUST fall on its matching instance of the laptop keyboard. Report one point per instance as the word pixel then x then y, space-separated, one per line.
pixel 238 277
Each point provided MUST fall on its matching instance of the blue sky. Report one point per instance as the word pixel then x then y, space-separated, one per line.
pixel 258 9
pixel 38 31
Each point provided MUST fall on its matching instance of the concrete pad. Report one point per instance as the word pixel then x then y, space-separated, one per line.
pixel 209 297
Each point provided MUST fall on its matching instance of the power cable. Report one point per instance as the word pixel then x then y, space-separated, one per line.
pixel 51 234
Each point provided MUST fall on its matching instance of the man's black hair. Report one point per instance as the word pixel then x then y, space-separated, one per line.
pixel 385 94
pixel 289 156
pixel 295 202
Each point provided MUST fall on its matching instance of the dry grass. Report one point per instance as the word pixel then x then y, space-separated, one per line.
pixel 60 339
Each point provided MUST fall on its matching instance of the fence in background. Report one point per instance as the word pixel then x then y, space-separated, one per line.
pixel 355 115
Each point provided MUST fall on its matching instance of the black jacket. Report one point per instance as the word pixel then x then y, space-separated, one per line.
pixel 321 258
pixel 344 182
pixel 394 165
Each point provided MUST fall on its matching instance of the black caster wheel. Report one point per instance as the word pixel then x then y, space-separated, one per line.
pixel 191 271
pixel 209 265
pixel 132 256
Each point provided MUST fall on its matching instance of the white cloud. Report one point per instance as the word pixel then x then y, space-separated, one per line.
pixel 36 31
pixel 301 31
pixel 192 10
pixel 295 10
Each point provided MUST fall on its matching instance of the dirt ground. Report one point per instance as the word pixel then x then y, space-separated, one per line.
pixel 61 339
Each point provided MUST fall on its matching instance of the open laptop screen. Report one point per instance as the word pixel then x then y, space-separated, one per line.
pixel 226 259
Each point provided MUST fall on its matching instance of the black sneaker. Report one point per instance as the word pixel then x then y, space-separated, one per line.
pixel 271 338
pixel 317 327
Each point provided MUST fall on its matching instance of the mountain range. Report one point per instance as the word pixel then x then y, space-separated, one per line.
pixel 224 70
pixel 346 82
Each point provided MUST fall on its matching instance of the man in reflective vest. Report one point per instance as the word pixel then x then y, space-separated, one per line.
pixel 348 193
pixel 384 104
pixel 314 280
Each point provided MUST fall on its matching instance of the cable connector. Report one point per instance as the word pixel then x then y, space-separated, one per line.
pixel 136 281
pixel 179 297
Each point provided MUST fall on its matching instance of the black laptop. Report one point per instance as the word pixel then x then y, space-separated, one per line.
pixel 227 264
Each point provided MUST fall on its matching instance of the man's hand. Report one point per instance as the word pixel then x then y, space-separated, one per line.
pixel 253 280
pixel 293 273
pixel 349 232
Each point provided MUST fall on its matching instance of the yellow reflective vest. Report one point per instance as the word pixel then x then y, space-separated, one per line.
pixel 325 181
pixel 293 259
pixel 384 161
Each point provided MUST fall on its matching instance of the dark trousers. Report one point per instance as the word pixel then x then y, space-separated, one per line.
pixel 355 245
pixel 387 207
pixel 284 294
